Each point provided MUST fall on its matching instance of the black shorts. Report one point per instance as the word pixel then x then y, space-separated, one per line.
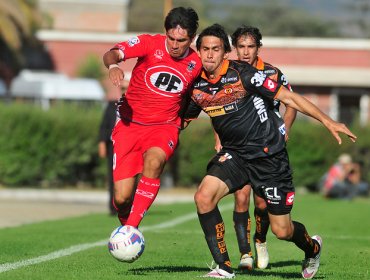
pixel 270 177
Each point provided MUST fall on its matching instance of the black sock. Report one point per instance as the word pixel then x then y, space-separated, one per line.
pixel 262 224
pixel 214 231
pixel 242 225
pixel 303 241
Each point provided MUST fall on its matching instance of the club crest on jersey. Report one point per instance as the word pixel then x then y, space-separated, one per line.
pixel 228 89
pixel 165 80
pixel 133 41
pixel 158 54
pixel 191 66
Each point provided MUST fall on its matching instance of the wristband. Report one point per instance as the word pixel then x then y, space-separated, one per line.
pixel 113 66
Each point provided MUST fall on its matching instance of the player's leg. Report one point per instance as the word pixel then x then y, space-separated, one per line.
pixel 225 174
pixel 148 185
pixel 259 237
pixel 210 191
pixel 272 179
pixel 242 226
pixel 122 199
pixel 286 229
pixel 158 144
pixel 127 163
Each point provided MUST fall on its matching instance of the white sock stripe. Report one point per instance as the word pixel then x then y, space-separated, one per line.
pixel 82 247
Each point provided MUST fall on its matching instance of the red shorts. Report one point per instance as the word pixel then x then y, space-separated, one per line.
pixel 132 140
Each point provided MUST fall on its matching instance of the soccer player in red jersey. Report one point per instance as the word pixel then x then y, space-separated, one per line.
pixel 146 132
pixel 247 41
pixel 239 100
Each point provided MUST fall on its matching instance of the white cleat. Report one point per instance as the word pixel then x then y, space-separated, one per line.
pixel 246 262
pixel 311 265
pixel 262 255
pixel 217 272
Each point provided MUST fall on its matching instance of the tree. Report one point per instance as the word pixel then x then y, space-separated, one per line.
pixel 19 48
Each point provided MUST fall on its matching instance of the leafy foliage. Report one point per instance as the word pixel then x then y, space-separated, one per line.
pixel 56 147
pixel 91 67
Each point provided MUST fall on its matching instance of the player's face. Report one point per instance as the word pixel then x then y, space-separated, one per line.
pixel 247 50
pixel 212 54
pixel 177 41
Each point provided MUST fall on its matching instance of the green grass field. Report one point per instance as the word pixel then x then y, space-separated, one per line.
pixel 76 248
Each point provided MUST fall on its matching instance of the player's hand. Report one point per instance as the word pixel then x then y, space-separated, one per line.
pixel 116 76
pixel 218 147
pixel 335 128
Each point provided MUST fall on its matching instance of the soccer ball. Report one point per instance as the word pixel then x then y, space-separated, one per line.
pixel 126 244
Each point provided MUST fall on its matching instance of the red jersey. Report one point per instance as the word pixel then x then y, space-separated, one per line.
pixel 158 82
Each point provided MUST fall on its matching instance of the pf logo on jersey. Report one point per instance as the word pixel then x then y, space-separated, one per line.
pixel 165 81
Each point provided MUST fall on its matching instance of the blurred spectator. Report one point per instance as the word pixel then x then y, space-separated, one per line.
pixel 105 146
pixel 343 180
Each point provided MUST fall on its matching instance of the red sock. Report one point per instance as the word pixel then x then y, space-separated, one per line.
pixel 146 192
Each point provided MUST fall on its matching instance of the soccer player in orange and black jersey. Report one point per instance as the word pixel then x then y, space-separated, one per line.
pixel 239 100
pixel 247 41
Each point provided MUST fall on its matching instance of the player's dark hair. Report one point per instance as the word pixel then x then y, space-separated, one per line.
pixel 245 30
pixel 187 18
pixel 215 30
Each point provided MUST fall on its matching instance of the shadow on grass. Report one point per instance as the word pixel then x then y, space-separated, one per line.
pixel 203 270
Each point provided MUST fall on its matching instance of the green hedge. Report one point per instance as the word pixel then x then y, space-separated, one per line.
pixel 59 148
pixel 55 147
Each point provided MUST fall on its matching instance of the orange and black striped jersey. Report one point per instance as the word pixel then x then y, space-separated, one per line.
pixel 240 104
pixel 275 74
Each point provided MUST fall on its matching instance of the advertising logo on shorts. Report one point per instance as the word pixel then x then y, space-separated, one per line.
pixel 165 80
pixel 289 198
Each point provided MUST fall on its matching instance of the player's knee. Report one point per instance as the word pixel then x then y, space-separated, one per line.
pixel 282 233
pixel 121 200
pixel 204 201
pixel 153 166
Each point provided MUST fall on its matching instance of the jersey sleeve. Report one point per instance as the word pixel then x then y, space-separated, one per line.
pixel 257 82
pixel 134 47
pixel 191 111
pixel 282 79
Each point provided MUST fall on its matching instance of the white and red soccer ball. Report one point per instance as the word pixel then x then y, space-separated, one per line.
pixel 126 244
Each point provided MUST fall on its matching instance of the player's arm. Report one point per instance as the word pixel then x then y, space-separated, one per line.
pixel 289 117
pixel 191 112
pixel 218 145
pixel 111 60
pixel 301 104
pixel 290 113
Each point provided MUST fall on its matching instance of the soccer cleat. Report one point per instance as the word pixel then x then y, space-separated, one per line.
pixel 262 255
pixel 217 272
pixel 246 262
pixel 311 265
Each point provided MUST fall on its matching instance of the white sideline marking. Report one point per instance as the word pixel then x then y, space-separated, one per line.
pixel 82 247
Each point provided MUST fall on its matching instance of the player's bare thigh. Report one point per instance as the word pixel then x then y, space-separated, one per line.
pixel 209 193
pixel 154 162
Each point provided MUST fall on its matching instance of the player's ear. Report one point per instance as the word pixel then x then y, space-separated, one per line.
pixel 226 55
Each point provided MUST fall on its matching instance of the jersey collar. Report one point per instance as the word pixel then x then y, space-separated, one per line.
pixel 260 64
pixel 223 71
